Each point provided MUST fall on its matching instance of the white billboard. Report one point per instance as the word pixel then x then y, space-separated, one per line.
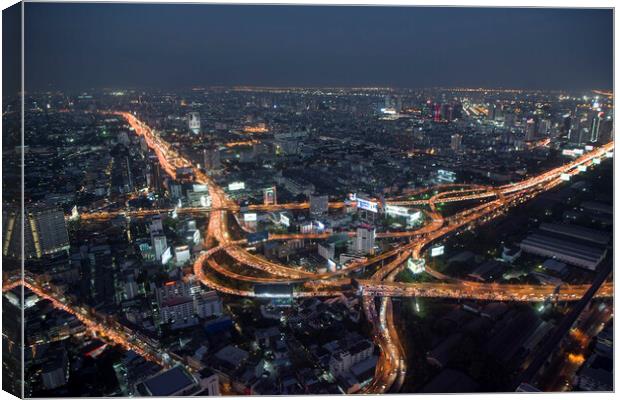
pixel 437 251
pixel 249 217
pixel 367 205
pixel 284 220
pixel 236 186
pixel 565 177
pixel 568 152
pixel 596 161
pixel 396 210
pixel 582 168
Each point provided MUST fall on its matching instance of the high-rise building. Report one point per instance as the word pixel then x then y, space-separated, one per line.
pixel 211 158
pixel 544 126
pixel 437 112
pixel 269 196
pixel 45 232
pixel 193 120
pixel 364 241
pixel 595 125
pixel 491 112
pixel 160 244
pixel 455 142
pixel 154 178
pixel 606 130
pixel 530 129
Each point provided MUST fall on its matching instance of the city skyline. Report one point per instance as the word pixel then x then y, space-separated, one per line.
pixel 216 200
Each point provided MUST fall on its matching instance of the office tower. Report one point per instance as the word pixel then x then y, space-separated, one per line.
pixel 398 104
pixel 530 129
pixel 364 241
pixel 269 196
pixel 491 112
pixel 387 102
pixel 437 112
pixel 45 232
pixel 446 112
pixel 318 205
pixel 211 158
pixel 606 130
pixel 159 244
pixel 544 126
pixel 455 142
pixel 193 120
pixel 595 126
pixel 154 177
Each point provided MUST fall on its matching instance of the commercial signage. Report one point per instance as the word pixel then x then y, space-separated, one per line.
pixel 589 148
pixel 437 251
pixel 582 168
pixel 396 210
pixel 236 186
pixel 249 217
pixel 565 177
pixel 284 220
pixel 596 161
pixel 568 152
pixel 367 205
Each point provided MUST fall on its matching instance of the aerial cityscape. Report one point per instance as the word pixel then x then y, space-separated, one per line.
pixel 209 210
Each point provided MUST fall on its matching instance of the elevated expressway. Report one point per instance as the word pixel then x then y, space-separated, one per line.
pixel 391 368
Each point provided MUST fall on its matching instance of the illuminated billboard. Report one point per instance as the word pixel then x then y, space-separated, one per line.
pixel 596 161
pixel 565 177
pixel 582 168
pixel 437 251
pixel 367 205
pixel 236 186
pixel 284 220
pixel 249 217
pixel 396 210
pixel 609 154
pixel 589 148
pixel 568 152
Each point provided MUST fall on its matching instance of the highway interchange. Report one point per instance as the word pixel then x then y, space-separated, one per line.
pixel 491 202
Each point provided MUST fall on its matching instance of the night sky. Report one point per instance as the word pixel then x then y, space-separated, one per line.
pixel 80 46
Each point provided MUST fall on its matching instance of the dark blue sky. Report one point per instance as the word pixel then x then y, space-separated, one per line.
pixel 75 46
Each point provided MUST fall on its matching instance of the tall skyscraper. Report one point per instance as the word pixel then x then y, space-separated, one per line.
pixel 211 158
pixel 455 142
pixel 364 240
pixel 595 125
pixel 193 120
pixel 491 112
pixel 544 126
pixel 530 129
pixel 154 178
pixel 45 232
